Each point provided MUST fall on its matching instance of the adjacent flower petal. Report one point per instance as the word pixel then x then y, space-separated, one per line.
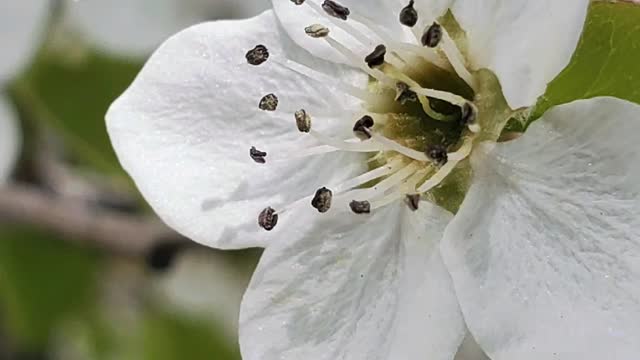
pixel 184 128
pixel 136 27
pixel 21 25
pixel 545 250
pixel 384 14
pixel 355 287
pixel 526 43
pixel 9 139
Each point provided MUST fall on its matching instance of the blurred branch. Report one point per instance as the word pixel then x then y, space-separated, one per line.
pixel 124 234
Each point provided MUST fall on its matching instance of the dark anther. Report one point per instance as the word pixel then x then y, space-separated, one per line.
pixel 298 2
pixel 269 102
pixel 409 15
pixel 336 10
pixel 360 207
pixel 438 154
pixel 257 55
pixel 303 121
pixel 468 114
pixel 404 94
pixel 413 201
pixel 317 31
pixel 268 219
pixel 362 127
pixel 376 58
pixel 257 155
pixel 432 36
pixel 322 200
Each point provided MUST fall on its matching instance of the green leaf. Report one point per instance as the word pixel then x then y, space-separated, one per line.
pixel 606 62
pixel 169 336
pixel 74 96
pixel 43 280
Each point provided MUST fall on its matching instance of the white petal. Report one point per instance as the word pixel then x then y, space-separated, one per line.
pixel 545 251
pixel 21 26
pixel 384 14
pixel 356 287
pixel 184 128
pixel 10 140
pixel 136 27
pixel 526 43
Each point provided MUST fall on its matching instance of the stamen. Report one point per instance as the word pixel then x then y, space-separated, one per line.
pixel 409 186
pixel 448 46
pixel 394 146
pixel 468 114
pixel 373 29
pixel 268 219
pixel 404 94
pixel 303 121
pixel 431 38
pixel 325 79
pixel 317 31
pixel 391 181
pixel 413 201
pixel 438 155
pixel 362 126
pixel 357 34
pixel 322 200
pixel 409 15
pixel 376 58
pixel 349 184
pixel 384 170
pixel 257 55
pixel 269 102
pixel 257 155
pixel 356 60
pixel 442 95
pixel 336 10
pixel 360 146
pixel 428 54
pixel 454 159
pixel 360 207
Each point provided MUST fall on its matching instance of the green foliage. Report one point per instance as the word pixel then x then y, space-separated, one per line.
pixel 169 337
pixel 74 96
pixel 42 281
pixel 606 62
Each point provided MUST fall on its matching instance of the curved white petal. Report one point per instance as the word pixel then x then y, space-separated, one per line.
pixel 526 43
pixel 21 26
pixel 355 287
pixel 136 27
pixel 184 128
pixel 384 14
pixel 10 140
pixel 545 251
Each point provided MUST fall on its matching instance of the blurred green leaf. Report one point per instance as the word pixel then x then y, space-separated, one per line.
pixel 43 280
pixel 606 62
pixel 75 95
pixel 168 336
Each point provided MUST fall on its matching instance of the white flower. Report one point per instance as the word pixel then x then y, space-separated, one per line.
pixel 136 27
pixel 21 27
pixel 543 250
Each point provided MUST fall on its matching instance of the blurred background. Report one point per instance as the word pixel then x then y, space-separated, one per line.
pixel 86 270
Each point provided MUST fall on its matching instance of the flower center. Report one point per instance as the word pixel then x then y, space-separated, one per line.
pixel 422 112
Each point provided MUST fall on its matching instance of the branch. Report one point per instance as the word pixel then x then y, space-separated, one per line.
pixel 82 224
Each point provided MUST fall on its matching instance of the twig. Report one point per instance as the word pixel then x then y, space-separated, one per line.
pixel 124 234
